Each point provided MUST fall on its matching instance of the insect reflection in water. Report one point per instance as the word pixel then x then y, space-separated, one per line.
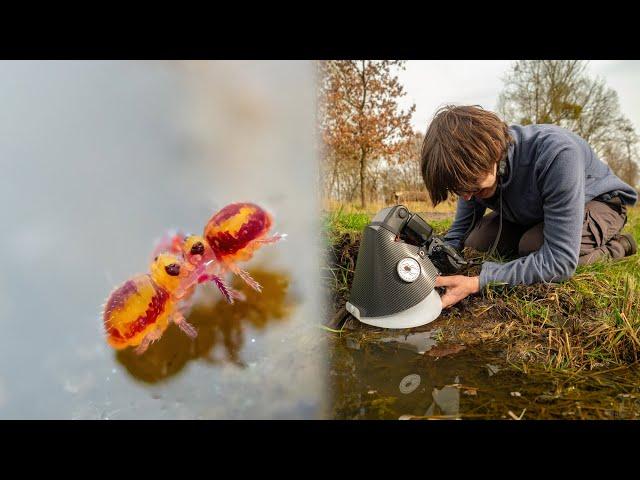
pixel 220 326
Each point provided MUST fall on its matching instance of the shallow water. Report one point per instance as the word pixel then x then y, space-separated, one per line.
pixel 387 375
pixel 98 159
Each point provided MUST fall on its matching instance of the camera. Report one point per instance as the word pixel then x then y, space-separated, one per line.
pixel 413 229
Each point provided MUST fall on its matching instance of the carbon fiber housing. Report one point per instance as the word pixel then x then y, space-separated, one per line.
pixel 377 289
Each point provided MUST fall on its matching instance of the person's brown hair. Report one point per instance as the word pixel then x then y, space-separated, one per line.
pixel 461 145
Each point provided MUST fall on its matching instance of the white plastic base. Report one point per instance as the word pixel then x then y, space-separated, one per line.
pixel 424 312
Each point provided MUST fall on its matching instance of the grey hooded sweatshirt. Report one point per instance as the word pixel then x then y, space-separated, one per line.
pixel 551 174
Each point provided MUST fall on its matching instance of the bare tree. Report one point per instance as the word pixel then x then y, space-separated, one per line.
pixel 561 92
pixel 622 151
pixel 360 119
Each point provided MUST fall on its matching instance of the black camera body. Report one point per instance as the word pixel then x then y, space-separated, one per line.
pixel 413 229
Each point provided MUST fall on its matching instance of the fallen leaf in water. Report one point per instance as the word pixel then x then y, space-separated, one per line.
pixel 444 350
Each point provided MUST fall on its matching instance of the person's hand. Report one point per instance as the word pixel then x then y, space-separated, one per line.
pixel 457 287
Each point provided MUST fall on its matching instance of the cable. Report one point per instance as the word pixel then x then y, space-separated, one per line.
pixel 495 242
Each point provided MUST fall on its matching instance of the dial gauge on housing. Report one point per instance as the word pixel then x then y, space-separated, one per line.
pixel 409 269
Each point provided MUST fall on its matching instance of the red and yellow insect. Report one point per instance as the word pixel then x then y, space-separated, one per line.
pixel 139 311
pixel 172 242
pixel 231 235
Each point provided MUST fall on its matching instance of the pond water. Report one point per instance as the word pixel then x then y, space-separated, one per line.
pixel 400 375
pixel 98 159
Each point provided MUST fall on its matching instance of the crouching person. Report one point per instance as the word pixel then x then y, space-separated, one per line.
pixel 555 205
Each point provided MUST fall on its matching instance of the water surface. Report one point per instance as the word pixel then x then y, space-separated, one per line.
pixel 97 160
pixel 410 376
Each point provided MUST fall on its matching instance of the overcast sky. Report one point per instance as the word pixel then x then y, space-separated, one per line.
pixel 432 83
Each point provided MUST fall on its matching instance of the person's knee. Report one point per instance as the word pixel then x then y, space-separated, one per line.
pixel 531 241
pixel 602 222
pixel 479 241
pixel 484 233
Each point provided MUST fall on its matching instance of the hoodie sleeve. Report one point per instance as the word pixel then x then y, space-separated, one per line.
pixel 562 186
pixel 462 221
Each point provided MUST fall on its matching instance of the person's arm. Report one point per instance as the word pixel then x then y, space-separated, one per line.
pixel 462 222
pixel 562 189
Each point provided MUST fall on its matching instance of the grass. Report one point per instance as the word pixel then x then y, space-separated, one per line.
pixel 372 208
pixel 345 221
pixel 590 322
pixel 339 222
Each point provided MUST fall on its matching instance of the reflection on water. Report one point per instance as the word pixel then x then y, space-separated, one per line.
pixel 382 374
pixel 395 375
pixel 419 342
pixel 221 330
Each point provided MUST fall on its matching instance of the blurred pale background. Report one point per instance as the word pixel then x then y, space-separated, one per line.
pixel 98 159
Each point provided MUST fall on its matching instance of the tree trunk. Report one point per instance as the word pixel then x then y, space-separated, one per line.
pixel 362 189
pixel 363 79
